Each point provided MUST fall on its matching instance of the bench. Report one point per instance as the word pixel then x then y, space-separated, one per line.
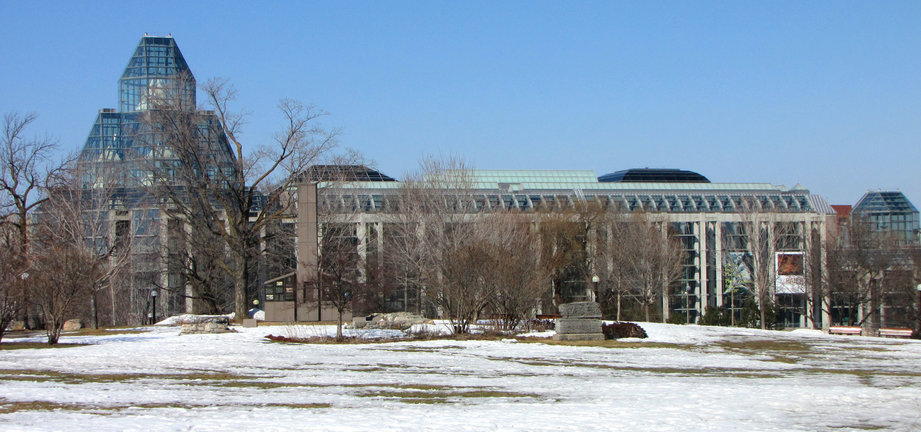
pixel 895 332
pixel 845 330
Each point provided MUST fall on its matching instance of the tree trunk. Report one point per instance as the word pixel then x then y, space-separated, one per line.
pixel 763 313
pixel 95 310
pixel 24 312
pixel 665 304
pixel 339 326
pixel 618 305
pixel 53 331
pixel 239 286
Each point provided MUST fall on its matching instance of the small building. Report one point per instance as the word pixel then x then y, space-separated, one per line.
pixel 284 302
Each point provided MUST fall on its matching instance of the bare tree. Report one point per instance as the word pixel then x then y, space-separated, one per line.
pixel 565 234
pixel 81 217
pixel 614 258
pixel 864 266
pixel 655 264
pixel 444 245
pixel 466 288
pixel 340 281
pixel 11 277
pixel 64 275
pixel 751 244
pixel 233 192
pixel 77 254
pixel 520 278
pixel 637 257
pixel 914 256
pixel 346 276
pixel 25 167
pixel 757 229
pixel 426 201
pixel 816 275
pixel 196 253
pixel 417 211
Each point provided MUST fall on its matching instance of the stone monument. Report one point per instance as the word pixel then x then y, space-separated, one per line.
pixel 580 321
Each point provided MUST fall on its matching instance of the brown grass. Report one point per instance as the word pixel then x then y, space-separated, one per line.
pixel 9 346
pixel 9 407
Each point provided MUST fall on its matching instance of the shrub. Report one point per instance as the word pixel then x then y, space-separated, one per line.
pixel 751 315
pixel 617 330
pixel 540 325
pixel 677 318
pixel 716 316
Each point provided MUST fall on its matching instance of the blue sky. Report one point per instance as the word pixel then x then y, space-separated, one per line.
pixel 825 94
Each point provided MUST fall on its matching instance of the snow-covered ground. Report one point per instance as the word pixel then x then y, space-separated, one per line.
pixel 681 378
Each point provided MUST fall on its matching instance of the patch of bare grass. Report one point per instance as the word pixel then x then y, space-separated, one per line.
pixel 702 372
pixel 443 394
pixel 86 378
pixel 861 426
pixel 766 346
pixel 365 369
pixel 106 331
pixel 9 407
pixel 297 405
pixel 9 346
pixel 608 343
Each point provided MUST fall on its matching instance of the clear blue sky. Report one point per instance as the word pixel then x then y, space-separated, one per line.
pixel 822 93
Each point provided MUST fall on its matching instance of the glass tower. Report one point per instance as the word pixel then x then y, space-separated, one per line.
pixel 126 148
pixel 130 151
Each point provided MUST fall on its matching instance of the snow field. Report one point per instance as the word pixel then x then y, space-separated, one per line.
pixel 681 378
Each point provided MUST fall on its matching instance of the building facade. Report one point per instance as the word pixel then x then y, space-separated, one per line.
pixel 713 221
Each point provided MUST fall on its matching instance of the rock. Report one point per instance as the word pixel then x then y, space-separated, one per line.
pixel 72 324
pixel 395 320
pixel 250 322
pixel 617 330
pixel 207 325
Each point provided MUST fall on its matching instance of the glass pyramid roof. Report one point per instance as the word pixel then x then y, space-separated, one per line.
pixel 884 202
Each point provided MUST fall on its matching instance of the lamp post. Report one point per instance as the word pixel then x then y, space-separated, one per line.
pixel 153 299
pixel 595 280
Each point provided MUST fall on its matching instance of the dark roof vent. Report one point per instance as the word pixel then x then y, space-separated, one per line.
pixel 320 173
pixel 653 175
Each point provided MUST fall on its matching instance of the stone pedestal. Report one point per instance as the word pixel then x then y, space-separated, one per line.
pixel 580 321
pixel 206 324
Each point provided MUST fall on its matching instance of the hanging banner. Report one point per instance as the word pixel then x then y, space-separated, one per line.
pixel 790 269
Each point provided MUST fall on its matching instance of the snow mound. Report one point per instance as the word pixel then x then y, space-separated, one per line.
pixel 178 320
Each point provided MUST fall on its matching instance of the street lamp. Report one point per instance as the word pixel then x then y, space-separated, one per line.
pixel 595 280
pixel 153 299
